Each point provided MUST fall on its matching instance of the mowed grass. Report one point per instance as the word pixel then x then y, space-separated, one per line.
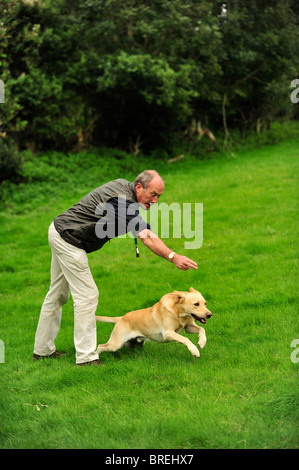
pixel 241 393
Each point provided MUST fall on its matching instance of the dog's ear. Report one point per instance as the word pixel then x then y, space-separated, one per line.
pixel 193 290
pixel 180 297
pixel 172 301
pixel 173 298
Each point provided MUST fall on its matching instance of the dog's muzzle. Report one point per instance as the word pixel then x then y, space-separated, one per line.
pixel 202 320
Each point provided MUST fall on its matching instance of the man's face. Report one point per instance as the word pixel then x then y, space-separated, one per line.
pixel 151 194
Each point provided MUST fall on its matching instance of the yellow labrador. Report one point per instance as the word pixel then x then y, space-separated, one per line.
pixel 163 322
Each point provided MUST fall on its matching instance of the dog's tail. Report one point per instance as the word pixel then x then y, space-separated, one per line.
pixel 108 319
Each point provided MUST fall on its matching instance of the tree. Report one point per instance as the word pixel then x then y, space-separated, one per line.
pixel 259 40
pixel 135 73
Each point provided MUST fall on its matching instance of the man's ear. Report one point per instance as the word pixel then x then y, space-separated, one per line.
pixel 139 187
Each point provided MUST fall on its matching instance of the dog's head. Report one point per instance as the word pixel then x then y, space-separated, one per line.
pixel 188 304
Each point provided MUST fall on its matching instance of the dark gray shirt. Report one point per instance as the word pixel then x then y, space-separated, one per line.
pixel 106 212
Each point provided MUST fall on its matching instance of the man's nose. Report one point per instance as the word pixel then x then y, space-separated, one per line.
pixel 155 199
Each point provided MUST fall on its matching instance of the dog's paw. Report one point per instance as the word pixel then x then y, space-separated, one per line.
pixel 194 351
pixel 202 341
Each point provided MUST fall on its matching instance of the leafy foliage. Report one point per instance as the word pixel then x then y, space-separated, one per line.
pixel 10 160
pixel 134 74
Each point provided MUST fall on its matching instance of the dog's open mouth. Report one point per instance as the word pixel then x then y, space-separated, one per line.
pixel 201 320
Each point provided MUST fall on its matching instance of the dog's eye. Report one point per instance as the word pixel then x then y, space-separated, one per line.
pixel 197 304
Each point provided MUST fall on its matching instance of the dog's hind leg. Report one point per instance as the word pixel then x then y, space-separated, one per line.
pixel 120 335
pixel 135 343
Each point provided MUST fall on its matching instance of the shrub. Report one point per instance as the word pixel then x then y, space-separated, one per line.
pixel 10 160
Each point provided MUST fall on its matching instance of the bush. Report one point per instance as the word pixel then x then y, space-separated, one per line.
pixel 133 74
pixel 10 160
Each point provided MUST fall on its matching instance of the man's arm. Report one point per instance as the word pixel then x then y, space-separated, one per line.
pixel 157 246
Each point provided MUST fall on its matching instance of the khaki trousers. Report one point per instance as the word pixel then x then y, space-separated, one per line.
pixel 70 273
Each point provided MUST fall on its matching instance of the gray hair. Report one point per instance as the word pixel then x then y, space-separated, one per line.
pixel 145 177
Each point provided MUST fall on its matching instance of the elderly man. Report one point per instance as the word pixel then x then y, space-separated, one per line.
pixel 107 211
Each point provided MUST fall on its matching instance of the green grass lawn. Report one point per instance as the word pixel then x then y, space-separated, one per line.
pixel 241 393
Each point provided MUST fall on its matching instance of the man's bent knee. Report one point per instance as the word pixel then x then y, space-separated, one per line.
pixel 87 299
pixel 63 298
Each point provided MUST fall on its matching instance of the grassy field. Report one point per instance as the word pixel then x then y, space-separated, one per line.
pixel 241 393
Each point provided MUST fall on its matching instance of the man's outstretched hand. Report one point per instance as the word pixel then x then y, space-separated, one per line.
pixel 184 263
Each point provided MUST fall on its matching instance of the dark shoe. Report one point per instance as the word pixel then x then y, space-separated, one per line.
pixel 37 357
pixel 96 362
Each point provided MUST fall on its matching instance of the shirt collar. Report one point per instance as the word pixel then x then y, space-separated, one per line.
pixel 132 186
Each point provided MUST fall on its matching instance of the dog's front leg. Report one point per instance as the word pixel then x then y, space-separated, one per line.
pixel 202 339
pixel 193 328
pixel 171 335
